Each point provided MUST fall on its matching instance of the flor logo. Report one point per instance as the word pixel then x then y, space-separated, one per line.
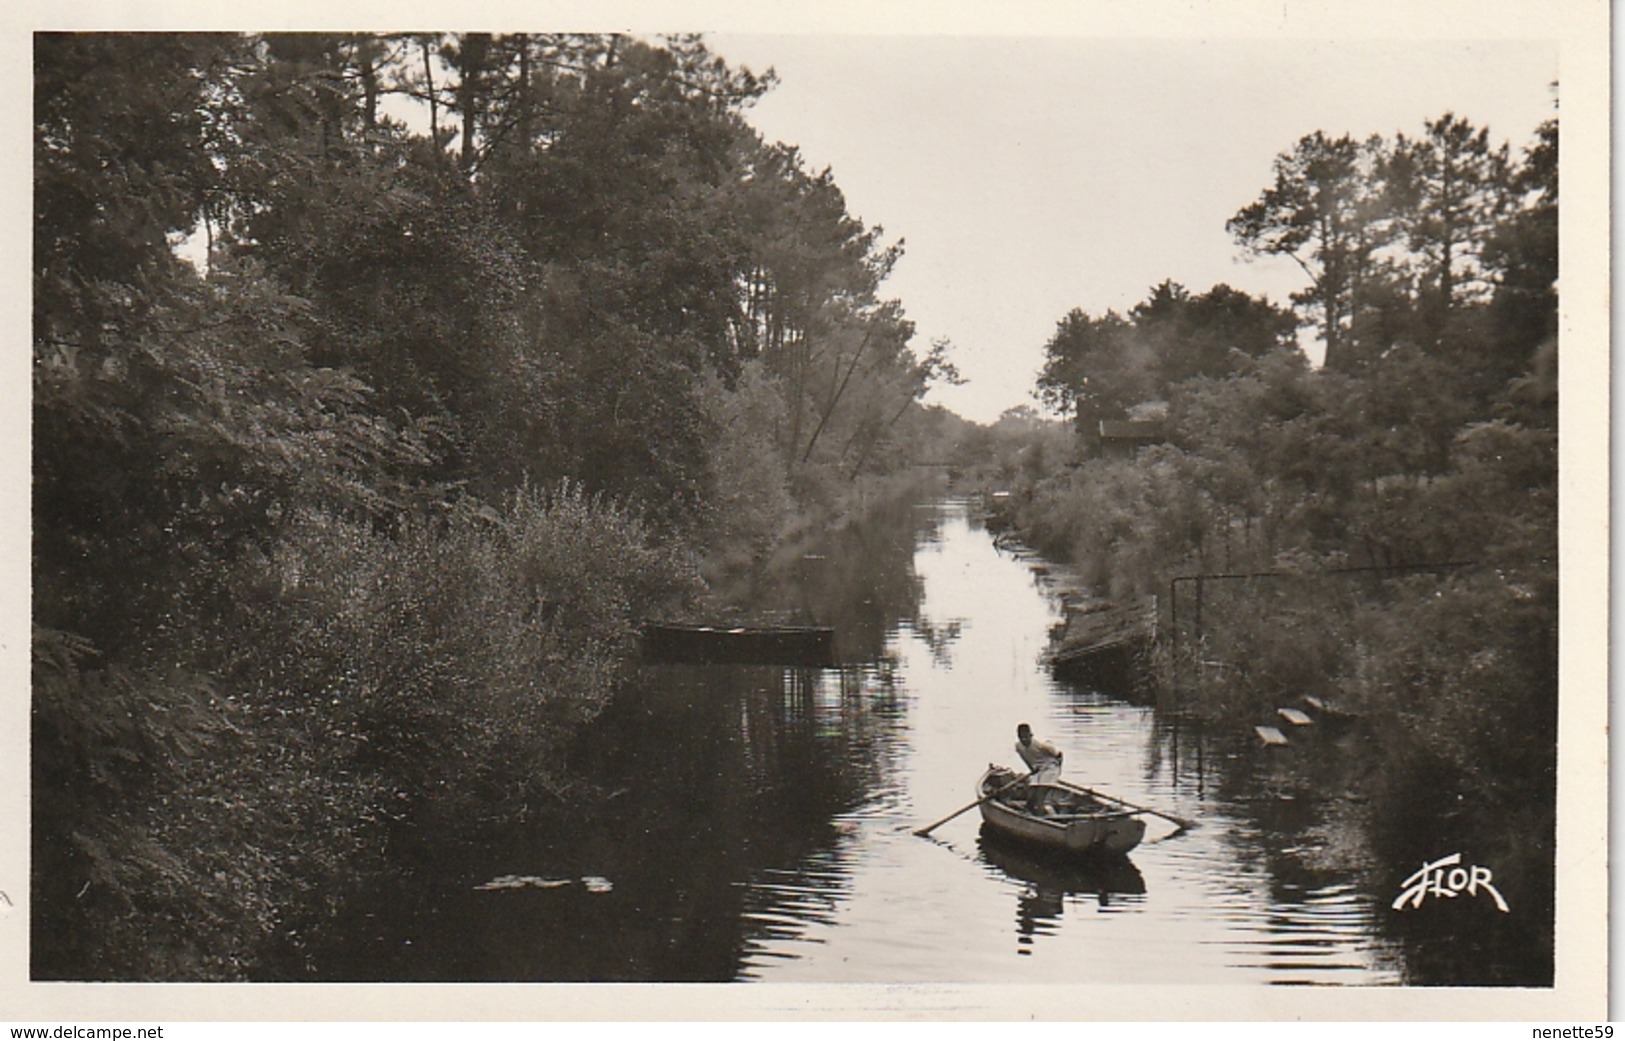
pixel 1446 877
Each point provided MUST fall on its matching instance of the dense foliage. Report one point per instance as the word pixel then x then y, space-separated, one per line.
pixel 1385 524
pixel 1099 368
pixel 363 441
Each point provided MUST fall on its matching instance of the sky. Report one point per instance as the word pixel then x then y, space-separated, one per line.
pixel 1049 157
pixel 1032 174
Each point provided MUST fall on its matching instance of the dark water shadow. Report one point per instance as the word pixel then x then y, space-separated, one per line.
pixel 1050 883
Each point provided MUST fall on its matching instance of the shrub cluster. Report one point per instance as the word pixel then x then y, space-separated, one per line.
pixel 362 679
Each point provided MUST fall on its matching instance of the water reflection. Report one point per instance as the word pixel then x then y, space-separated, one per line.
pixel 755 823
pixel 1048 884
pixel 860 578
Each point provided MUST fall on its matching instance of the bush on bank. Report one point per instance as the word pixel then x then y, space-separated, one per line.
pixel 192 813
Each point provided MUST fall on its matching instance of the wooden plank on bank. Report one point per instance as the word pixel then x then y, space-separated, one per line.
pixel 1271 737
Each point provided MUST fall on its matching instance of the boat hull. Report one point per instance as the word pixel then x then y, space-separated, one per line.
pixel 1058 871
pixel 716 645
pixel 1092 829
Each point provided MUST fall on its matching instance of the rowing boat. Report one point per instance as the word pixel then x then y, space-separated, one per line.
pixel 1078 822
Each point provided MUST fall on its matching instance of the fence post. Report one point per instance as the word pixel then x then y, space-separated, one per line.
pixel 1173 612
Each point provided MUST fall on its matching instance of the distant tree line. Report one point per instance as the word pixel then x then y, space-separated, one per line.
pixel 350 518
pixel 1433 267
pixel 1439 247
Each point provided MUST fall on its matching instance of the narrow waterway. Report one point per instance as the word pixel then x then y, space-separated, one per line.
pixel 757 823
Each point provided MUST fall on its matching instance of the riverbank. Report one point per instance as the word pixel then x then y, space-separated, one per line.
pixel 565 788
pixel 1419 703
pixel 350 688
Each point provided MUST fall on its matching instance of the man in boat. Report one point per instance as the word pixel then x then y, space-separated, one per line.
pixel 1044 760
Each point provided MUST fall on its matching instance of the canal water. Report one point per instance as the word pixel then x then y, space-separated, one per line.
pixel 757 824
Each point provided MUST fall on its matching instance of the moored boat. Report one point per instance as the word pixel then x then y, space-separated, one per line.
pixel 1078 822
pixel 739 645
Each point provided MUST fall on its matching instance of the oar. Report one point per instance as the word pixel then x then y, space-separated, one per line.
pixel 1184 825
pixel 990 795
